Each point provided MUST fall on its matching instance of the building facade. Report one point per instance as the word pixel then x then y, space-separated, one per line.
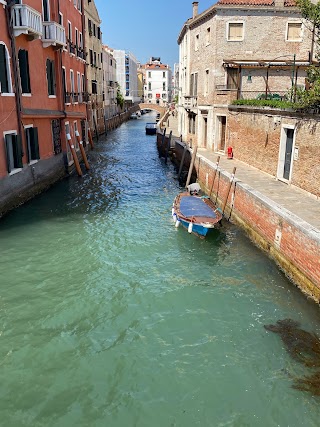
pixel 127 76
pixel 226 53
pixel 158 82
pixel 110 82
pixel 42 71
pixel 94 51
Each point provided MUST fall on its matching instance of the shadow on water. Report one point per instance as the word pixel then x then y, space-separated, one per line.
pixel 303 347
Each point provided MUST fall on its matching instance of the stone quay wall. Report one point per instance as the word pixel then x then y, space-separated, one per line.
pixel 291 242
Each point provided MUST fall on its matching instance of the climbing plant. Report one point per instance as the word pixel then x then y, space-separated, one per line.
pixel 120 98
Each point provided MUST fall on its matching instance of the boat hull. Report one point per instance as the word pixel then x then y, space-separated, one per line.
pixel 198 214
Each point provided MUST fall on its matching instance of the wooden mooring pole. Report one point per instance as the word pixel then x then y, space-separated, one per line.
pixel 168 147
pixel 229 188
pixel 193 158
pixel 214 175
pixel 182 161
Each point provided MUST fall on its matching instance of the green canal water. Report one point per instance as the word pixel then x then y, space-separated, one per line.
pixel 110 316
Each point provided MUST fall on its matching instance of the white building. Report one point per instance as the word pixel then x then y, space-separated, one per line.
pixel 127 76
pixel 158 82
pixel 109 82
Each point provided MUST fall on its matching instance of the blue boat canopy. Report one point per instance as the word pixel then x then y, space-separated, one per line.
pixel 194 206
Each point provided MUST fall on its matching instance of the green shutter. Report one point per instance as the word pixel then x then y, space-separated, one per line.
pixel 3 70
pixel 8 143
pixel 24 70
pixel 17 151
pixel 48 66
pixel 34 144
pixel 53 78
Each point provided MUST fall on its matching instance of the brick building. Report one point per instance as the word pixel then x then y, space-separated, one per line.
pixel 230 52
pixel 42 72
pixel 94 49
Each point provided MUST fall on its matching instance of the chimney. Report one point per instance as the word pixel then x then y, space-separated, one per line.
pixel 195 9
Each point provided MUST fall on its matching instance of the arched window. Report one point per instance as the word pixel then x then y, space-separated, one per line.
pixel 5 75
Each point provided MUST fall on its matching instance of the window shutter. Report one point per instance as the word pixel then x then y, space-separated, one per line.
pixel 24 71
pixel 8 145
pixel 35 155
pixel 48 75
pixel 294 31
pixel 17 150
pixel 53 78
pixel 3 70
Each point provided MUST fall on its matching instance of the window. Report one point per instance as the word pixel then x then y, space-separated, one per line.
pixel 149 74
pixel 69 31
pixel 45 10
pixel 91 56
pixel 206 83
pixel 208 36
pixel 149 95
pixel 164 95
pixel 64 84
pixel 163 86
pixel 196 43
pixel 164 74
pixel 235 31
pixel 149 86
pixel 194 84
pixel 94 86
pixel 14 155
pixel 77 36
pixel 24 71
pixel 294 31
pixel 5 78
pixel 51 78
pixel 32 144
pixel 90 27
pixel 72 83
pixel 60 18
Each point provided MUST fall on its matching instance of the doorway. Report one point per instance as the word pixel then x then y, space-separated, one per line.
pixel 205 132
pixel 286 153
pixel 222 126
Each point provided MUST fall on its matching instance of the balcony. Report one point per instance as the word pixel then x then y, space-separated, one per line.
pixel 81 53
pixel 190 102
pixel 26 21
pixel 53 34
pixel 72 47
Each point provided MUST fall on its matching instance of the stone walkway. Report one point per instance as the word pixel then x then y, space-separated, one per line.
pixel 287 197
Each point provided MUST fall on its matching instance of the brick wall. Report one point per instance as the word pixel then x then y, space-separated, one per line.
pixel 256 135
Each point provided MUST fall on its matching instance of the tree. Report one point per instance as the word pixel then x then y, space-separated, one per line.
pixel 120 98
pixel 310 98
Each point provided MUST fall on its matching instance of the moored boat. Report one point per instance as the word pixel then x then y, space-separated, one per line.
pixel 196 213
pixel 151 128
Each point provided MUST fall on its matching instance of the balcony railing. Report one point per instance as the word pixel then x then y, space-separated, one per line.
pixel 81 53
pixel 86 97
pixel 54 34
pixel 75 97
pixel 67 97
pixel 26 21
pixel 190 101
pixel 225 88
pixel 72 47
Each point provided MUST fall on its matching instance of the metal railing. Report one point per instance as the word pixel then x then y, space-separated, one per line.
pixel 280 95
pixel 26 20
pixel 190 101
pixel 72 47
pixel 53 34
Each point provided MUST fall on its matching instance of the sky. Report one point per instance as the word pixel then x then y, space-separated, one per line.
pixel 146 27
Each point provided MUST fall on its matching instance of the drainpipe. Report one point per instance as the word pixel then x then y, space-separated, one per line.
pixel 15 66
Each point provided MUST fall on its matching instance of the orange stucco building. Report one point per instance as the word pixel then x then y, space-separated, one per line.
pixel 42 94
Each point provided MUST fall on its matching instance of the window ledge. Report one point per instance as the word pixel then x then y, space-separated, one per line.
pixel 32 162
pixel 7 94
pixel 52 96
pixel 26 94
pixel 14 171
pixel 3 2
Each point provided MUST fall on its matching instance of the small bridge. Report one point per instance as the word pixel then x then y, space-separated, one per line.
pixel 154 107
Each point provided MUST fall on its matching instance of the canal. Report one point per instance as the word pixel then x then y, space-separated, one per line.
pixel 110 316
